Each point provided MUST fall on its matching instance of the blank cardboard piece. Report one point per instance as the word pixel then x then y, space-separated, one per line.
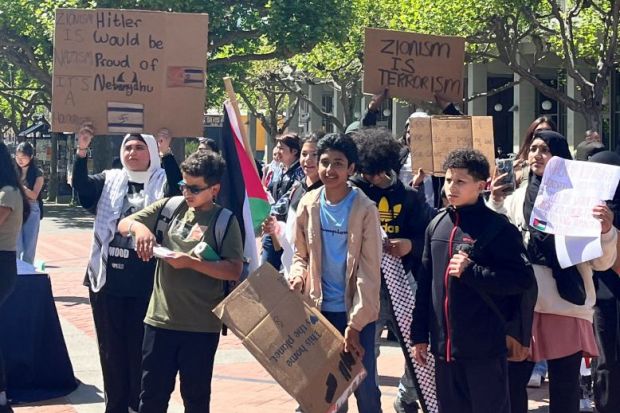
pixel 292 340
pixel 129 71
pixel 413 66
pixel 432 138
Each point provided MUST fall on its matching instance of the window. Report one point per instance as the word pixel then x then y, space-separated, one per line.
pixel 327 105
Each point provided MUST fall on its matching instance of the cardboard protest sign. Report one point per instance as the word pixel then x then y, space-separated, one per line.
pixel 412 65
pixel 433 137
pixel 292 340
pixel 129 71
pixel 568 192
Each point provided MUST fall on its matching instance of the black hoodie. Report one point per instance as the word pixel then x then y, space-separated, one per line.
pixel 461 324
pixel 403 213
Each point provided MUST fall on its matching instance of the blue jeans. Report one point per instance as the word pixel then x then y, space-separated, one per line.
pixel 269 254
pixel 541 368
pixel 29 234
pixel 367 394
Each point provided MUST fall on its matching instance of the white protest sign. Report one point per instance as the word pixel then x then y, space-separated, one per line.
pixel 575 250
pixel 568 192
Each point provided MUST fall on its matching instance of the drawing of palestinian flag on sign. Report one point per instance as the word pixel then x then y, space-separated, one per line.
pixel 539 225
pixel 242 191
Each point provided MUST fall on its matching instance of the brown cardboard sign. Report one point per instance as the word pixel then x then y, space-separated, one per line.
pixel 413 66
pixel 292 340
pixel 129 71
pixel 433 137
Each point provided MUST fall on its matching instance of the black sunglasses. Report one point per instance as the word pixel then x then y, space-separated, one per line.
pixel 192 188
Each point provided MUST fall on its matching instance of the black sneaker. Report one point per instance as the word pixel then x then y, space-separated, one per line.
pixel 401 407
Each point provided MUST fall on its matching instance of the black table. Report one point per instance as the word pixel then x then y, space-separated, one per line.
pixel 37 362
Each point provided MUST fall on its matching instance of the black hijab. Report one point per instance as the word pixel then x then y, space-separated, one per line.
pixel 541 246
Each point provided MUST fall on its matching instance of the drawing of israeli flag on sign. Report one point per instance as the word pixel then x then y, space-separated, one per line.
pixel 125 117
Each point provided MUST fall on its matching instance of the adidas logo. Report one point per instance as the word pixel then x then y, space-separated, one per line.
pixel 388 214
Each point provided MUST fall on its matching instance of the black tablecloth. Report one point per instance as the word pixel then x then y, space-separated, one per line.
pixel 37 362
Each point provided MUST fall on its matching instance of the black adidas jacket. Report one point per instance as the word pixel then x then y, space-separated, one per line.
pixel 403 212
pixel 452 311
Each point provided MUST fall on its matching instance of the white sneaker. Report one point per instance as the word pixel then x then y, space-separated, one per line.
pixel 585 405
pixel 535 380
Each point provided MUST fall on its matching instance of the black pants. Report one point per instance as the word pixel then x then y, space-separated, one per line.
pixel 8 277
pixel 119 322
pixel 479 386
pixel 166 352
pixel 518 376
pixel 564 390
pixel 606 374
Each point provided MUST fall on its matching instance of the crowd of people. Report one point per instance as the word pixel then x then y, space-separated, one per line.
pixel 491 299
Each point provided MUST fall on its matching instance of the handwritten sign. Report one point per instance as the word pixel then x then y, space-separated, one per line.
pixel 568 192
pixel 129 71
pixel 413 66
pixel 433 137
pixel 292 340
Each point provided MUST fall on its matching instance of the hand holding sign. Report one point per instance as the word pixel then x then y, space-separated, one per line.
pixel 352 342
pixel 605 216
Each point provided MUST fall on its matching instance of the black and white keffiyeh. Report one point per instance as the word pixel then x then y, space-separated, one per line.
pixel 110 204
pixel 403 302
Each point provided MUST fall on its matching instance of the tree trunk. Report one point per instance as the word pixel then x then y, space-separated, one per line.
pixel 593 119
pixel 52 185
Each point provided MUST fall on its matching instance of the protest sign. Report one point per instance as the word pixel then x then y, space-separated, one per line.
pixel 433 137
pixel 568 192
pixel 129 71
pixel 292 340
pixel 413 66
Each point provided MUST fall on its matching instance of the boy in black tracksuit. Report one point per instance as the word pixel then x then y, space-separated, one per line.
pixel 473 268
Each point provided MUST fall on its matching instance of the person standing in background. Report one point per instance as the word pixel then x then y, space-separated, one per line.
pixel 14 210
pixel 31 178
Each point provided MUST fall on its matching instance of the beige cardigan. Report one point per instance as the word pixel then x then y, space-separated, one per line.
pixel 549 300
pixel 363 273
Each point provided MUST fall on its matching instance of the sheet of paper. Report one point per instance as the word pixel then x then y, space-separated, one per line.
pixel 568 192
pixel 162 252
pixel 575 250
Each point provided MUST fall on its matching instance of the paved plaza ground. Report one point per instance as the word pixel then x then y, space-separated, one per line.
pixel 240 384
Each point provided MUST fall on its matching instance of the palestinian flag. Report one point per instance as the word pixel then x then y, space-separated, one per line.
pixel 241 190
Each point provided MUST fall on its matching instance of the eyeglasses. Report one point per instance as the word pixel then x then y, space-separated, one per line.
pixel 192 188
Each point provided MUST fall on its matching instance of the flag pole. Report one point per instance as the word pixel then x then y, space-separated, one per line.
pixel 232 97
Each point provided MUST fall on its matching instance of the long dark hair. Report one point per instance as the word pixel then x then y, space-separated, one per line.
pixel 8 176
pixel 529 135
pixel 31 171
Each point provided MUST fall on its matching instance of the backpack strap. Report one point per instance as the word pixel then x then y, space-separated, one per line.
pixel 165 216
pixel 220 228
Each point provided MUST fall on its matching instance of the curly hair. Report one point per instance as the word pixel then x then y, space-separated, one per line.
pixel 474 161
pixel 338 142
pixel 378 151
pixel 209 165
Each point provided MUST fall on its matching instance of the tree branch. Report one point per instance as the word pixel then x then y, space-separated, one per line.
pixel 231 37
pixel 299 93
pixel 492 91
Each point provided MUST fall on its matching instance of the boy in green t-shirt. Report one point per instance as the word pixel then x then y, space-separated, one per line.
pixel 181 332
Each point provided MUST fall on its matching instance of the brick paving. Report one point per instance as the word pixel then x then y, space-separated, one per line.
pixel 240 384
